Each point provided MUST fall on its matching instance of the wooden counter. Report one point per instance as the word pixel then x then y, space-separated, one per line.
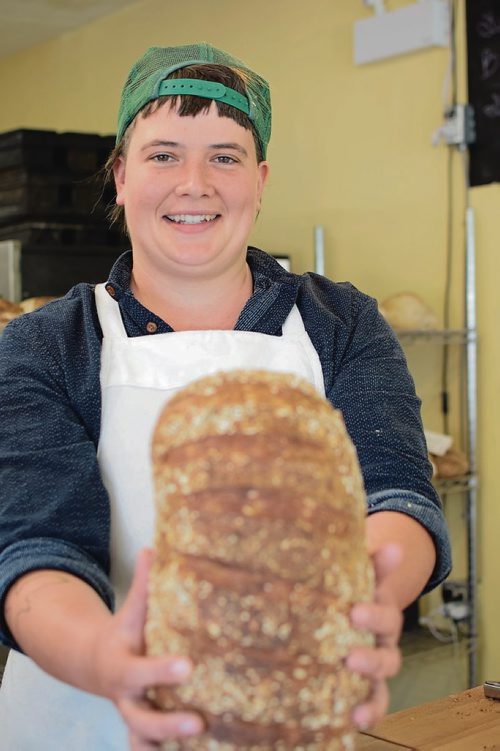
pixel 460 722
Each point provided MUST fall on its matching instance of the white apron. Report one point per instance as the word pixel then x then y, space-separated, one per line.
pixel 138 375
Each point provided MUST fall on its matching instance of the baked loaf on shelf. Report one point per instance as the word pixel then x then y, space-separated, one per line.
pixel 259 556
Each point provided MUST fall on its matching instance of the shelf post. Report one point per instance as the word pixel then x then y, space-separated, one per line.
pixel 471 354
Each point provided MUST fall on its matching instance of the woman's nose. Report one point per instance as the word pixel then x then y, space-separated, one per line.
pixel 194 180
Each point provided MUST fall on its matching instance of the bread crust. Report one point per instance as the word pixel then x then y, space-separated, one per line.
pixel 259 556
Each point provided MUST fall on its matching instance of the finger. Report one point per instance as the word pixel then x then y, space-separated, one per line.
pixel 384 621
pixel 386 560
pixel 156 671
pixel 140 744
pixel 377 664
pixel 155 726
pixel 132 614
pixel 367 714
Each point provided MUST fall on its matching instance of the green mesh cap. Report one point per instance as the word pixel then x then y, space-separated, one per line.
pixel 144 84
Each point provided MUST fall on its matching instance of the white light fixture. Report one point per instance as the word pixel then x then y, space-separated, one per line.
pixel 388 33
pixel 377 5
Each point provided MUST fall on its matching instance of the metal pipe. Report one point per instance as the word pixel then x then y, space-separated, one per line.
pixel 319 251
pixel 470 324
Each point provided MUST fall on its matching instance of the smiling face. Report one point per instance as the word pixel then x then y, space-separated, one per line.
pixel 191 188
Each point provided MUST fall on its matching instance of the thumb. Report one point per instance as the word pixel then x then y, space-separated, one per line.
pixel 134 609
pixel 386 560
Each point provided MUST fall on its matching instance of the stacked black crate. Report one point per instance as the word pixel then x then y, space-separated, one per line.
pixel 54 202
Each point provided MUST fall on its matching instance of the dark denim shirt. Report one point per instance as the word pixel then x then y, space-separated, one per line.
pixel 54 509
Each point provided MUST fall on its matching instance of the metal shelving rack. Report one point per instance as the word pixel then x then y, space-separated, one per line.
pixel 468 484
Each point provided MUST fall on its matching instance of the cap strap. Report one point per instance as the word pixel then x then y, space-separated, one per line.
pixel 207 89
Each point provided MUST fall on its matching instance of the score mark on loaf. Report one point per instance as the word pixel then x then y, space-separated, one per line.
pixel 259 556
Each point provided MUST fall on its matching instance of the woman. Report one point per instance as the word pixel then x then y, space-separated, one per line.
pixel 83 380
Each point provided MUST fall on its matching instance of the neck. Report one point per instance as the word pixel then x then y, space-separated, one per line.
pixel 191 304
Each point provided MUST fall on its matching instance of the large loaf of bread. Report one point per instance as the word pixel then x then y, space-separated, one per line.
pixel 259 557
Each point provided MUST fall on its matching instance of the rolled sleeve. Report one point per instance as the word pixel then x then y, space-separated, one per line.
pixel 47 553
pixel 429 515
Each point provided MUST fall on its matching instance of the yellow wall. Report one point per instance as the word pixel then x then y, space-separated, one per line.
pixel 351 150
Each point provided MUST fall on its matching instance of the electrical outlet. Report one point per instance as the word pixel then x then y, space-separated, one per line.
pixel 455 600
pixel 456 611
pixel 454 591
pixel 459 127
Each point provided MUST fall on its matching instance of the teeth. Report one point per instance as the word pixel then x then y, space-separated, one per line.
pixel 191 218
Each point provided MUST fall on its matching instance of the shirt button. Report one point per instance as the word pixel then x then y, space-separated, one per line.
pixel 110 290
pixel 151 327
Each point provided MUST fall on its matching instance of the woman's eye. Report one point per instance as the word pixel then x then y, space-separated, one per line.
pixel 162 158
pixel 225 159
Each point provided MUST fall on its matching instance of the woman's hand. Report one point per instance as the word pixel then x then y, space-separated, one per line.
pixel 383 618
pixel 126 673
pixel 65 627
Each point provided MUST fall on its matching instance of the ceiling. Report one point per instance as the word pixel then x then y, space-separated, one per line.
pixel 24 23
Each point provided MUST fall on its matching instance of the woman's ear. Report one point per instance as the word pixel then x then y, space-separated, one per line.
pixel 263 168
pixel 119 177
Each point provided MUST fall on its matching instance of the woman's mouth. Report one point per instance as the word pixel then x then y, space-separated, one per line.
pixel 191 218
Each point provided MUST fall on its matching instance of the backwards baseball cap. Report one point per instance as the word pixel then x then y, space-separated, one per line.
pixel 147 81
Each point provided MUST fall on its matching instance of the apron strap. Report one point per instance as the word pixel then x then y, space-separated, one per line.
pixel 109 314
pixel 294 328
pixel 294 325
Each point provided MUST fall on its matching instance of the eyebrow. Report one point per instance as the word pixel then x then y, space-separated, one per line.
pixel 174 144
pixel 231 146
pixel 154 144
